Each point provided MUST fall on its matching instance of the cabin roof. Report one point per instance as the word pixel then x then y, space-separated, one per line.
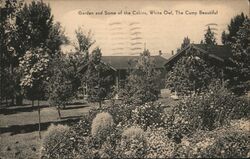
pixel 222 51
pixel 219 52
pixel 126 62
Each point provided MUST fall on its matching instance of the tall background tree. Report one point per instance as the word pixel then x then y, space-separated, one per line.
pixel 239 71
pixel 84 41
pixel 143 82
pixel 24 27
pixel 8 55
pixel 232 29
pixel 186 42
pixel 209 37
pixel 38 43
pixel 35 26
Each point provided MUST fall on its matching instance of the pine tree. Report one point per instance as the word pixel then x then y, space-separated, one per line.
pixel 233 28
pixel 224 37
pixel 186 42
pixel 239 72
pixel 209 37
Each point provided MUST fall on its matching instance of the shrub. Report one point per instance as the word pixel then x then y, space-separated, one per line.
pixel 102 126
pixel 133 143
pixel 205 112
pixel 159 146
pixel 232 145
pixel 220 143
pixel 56 142
pixel 149 115
pixel 121 113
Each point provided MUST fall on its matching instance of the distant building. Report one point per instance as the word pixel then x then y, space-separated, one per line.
pixel 120 66
pixel 217 55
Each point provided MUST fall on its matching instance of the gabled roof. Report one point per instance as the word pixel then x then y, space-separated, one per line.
pixel 126 62
pixel 219 52
pixel 222 51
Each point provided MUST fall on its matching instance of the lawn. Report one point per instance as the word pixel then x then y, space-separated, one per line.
pixel 18 127
pixel 19 124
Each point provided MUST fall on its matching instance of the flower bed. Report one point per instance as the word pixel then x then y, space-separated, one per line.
pixel 147 131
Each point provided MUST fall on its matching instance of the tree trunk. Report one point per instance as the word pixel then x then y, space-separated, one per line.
pixel 59 112
pixel 12 72
pixel 12 101
pixel 100 104
pixel 19 100
pixel 1 93
pixel 39 119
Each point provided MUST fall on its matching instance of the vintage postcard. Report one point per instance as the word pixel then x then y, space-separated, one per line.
pixel 124 79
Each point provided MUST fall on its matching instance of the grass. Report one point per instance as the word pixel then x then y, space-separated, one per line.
pixel 19 137
pixel 18 127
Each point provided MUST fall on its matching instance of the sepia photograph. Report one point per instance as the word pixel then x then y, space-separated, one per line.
pixel 124 79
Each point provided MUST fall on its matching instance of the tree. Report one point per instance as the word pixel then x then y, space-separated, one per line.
pixel 84 42
pixel 23 28
pixel 59 85
pixel 209 37
pixel 224 37
pixel 190 74
pixel 233 28
pixel 34 66
pixel 239 71
pixel 34 23
pixel 8 54
pixel 35 26
pixel 186 42
pixel 143 82
pixel 79 58
pixel 97 78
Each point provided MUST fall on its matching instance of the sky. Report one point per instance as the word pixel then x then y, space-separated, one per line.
pixel 129 34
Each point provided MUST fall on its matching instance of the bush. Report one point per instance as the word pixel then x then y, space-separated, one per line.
pixel 159 146
pixel 206 112
pixel 232 145
pixel 220 143
pixel 102 126
pixel 133 143
pixel 121 113
pixel 149 115
pixel 56 142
